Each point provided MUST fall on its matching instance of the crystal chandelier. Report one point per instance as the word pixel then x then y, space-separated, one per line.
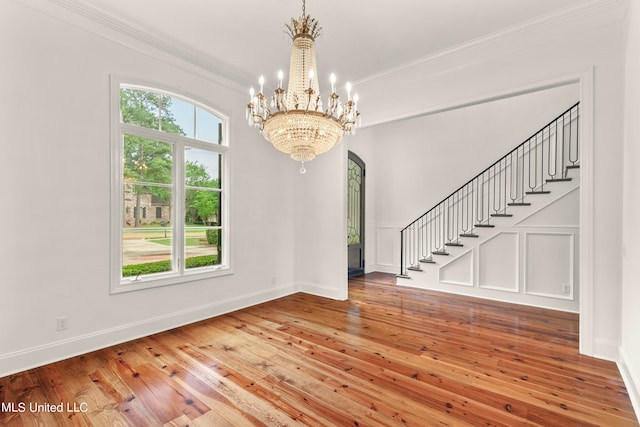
pixel 294 121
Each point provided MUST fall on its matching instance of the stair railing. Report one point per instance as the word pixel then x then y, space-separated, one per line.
pixel 544 157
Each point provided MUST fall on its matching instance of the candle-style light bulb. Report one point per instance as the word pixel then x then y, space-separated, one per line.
pixel 348 86
pixel 332 79
pixel 261 80
pixel 280 77
pixel 311 75
pixel 252 93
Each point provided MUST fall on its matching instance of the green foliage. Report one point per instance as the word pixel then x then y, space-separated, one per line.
pixel 162 266
pixel 150 161
pixel 147 160
pixel 201 261
pixel 149 110
pixel 202 205
pixel 147 268
pixel 212 237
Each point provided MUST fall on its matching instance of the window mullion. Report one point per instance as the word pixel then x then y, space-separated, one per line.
pixel 179 208
pixel 171 138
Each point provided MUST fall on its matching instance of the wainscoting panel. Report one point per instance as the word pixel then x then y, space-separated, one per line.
pixel 385 253
pixel 458 271
pixel 549 264
pixel 498 262
pixel 564 213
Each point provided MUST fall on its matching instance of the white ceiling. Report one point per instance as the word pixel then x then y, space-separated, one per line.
pixel 246 38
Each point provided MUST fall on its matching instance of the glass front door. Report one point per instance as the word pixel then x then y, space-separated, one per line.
pixel 355 215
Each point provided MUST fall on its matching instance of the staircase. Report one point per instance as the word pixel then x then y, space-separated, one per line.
pixel 533 175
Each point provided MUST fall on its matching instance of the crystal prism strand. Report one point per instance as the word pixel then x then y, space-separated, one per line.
pixel 303 60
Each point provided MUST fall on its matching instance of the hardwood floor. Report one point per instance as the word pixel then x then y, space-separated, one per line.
pixel 388 356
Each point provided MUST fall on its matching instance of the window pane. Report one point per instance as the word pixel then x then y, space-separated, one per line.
pixel 146 160
pixel 202 207
pixel 208 126
pixel 146 250
pixel 146 206
pixel 202 247
pixel 178 116
pixel 202 168
pixel 139 107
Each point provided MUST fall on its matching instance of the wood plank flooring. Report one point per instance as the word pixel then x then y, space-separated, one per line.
pixel 388 356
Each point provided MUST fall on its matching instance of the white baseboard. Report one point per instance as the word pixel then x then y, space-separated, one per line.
pixel 324 291
pixel 22 360
pixel 606 349
pixel 631 381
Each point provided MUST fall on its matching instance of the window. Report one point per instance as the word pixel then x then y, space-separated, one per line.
pixel 169 157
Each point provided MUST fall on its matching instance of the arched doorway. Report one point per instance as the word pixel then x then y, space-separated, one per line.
pixel 355 214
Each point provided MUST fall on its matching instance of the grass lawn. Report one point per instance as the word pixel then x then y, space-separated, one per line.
pixel 190 241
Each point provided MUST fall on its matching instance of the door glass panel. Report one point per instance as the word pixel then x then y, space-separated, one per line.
pixel 353 217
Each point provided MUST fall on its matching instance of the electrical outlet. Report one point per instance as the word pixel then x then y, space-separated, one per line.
pixel 63 323
pixel 566 289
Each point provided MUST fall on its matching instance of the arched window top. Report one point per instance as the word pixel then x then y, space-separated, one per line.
pixel 170 198
pixel 169 113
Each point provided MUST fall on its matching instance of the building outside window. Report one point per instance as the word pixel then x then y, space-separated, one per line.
pixel 169 203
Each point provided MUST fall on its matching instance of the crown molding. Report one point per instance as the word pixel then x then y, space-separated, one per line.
pixel 104 23
pixel 590 11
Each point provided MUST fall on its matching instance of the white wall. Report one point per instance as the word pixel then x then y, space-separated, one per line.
pixel 55 174
pixel 630 334
pixel 534 55
pixel 320 212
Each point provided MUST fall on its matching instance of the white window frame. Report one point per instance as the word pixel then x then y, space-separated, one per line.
pixel 119 284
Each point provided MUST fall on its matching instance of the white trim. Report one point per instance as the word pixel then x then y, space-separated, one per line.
pixel 631 380
pixel 519 224
pixel 395 231
pixel 323 291
pixel 458 258
pixel 517 272
pixel 587 207
pixel 571 283
pixel 481 99
pixel 59 350
pixel 606 349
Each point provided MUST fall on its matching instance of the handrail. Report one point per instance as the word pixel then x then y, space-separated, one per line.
pixel 543 157
pixel 493 164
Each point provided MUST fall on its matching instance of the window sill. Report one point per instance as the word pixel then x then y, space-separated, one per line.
pixel 167 279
